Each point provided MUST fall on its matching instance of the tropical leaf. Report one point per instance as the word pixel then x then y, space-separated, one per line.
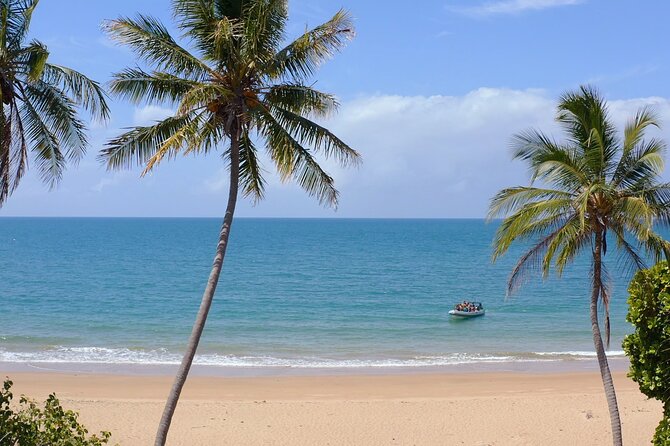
pixel 41 104
pixel 150 39
pixel 139 144
pixel 81 90
pixel 137 85
pixel 302 57
pixel 593 182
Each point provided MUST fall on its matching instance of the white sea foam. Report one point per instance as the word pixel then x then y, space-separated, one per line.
pixel 103 355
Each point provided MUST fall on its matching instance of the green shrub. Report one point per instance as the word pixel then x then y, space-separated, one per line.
pixel 26 424
pixel 648 348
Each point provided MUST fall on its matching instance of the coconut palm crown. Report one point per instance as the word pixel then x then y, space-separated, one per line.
pixel 240 87
pixel 594 186
pixel 40 104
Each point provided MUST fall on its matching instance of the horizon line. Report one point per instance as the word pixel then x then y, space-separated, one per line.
pixel 236 217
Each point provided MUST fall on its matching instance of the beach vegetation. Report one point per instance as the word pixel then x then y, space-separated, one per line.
pixel 29 424
pixel 41 101
pixel 237 87
pixel 593 187
pixel 648 347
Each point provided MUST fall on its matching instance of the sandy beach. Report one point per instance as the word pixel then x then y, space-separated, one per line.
pixel 404 409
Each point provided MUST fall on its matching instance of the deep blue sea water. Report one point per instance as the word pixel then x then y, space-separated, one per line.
pixel 294 292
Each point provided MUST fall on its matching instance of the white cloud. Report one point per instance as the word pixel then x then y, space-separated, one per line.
pixel 103 183
pixel 428 156
pixel 150 114
pixel 218 182
pixel 111 180
pixel 423 156
pixel 515 6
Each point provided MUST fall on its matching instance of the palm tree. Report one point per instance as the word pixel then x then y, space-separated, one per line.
pixel 239 89
pixel 40 102
pixel 595 184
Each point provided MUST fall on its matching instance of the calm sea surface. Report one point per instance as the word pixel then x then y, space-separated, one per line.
pixel 294 292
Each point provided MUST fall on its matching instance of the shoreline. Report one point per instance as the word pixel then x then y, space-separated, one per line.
pixel 502 408
pixel 617 364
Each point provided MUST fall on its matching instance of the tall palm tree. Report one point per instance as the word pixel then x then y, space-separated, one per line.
pixel 594 185
pixel 40 102
pixel 239 88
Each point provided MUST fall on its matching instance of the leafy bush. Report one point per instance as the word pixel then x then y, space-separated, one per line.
pixel 649 346
pixel 29 425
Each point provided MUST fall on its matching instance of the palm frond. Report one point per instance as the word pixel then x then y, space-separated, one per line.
pixel 658 198
pixel 264 23
pixel 139 144
pixel 15 19
pixel 511 199
pixel 212 96
pixel 301 99
pixel 531 219
pixel 189 137
pixel 21 13
pixel 251 177
pixel 629 257
pixel 5 155
pixel 302 57
pixel 640 166
pixel 137 85
pixel 549 161
pixel 293 160
pixel 214 31
pixel 634 213
pixel 83 91
pixel 533 259
pixel 573 240
pixel 20 150
pixel 319 138
pixel 59 113
pixel 44 144
pixel 150 39
pixel 585 117
pixel 33 59
pixel 634 131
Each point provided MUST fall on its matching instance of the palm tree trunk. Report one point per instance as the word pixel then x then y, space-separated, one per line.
pixel 617 439
pixel 208 295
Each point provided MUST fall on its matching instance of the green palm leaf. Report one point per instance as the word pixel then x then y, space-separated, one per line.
pixel 152 42
pixel 41 104
pixel 303 56
pixel 136 85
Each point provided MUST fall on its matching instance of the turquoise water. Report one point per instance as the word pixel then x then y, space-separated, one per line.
pixel 294 292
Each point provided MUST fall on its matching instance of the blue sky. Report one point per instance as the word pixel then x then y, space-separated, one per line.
pixel 430 95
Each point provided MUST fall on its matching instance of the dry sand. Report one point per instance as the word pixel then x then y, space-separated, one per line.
pixel 411 409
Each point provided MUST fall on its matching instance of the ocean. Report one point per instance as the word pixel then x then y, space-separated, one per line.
pixel 294 293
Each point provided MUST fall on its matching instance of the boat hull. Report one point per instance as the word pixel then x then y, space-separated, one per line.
pixel 467 314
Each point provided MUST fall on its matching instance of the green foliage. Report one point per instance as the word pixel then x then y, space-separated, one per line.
pixel 233 79
pixel 29 425
pixel 41 102
pixel 596 187
pixel 648 348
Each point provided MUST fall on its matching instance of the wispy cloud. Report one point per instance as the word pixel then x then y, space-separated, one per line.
pixel 149 114
pixel 630 73
pixel 102 184
pixel 514 6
